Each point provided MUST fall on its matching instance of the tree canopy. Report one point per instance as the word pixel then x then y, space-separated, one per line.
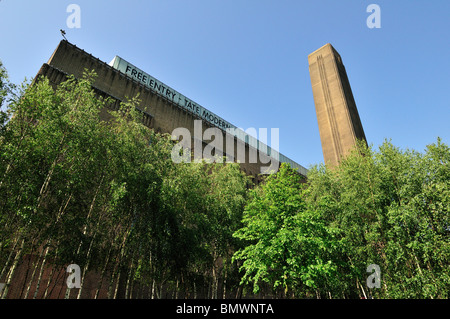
pixel 105 195
pixel 388 208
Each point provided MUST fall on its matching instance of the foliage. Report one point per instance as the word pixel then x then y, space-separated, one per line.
pixel 289 245
pixel 102 192
pixel 389 208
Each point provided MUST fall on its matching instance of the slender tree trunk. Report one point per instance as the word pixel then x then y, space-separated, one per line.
pixel 63 273
pixel 238 293
pixel 114 274
pixel 102 276
pixel 6 265
pixel 152 296
pixel 224 294
pixel 111 282
pixel 131 291
pixel 50 277
pixel 117 285
pixel 88 217
pixel 195 291
pixel 361 287
pixel 117 270
pixel 34 266
pixel 67 294
pixel 86 267
pixel 213 280
pixel 41 271
pixel 38 261
pixel 12 270
pixel 49 176
pixel 128 282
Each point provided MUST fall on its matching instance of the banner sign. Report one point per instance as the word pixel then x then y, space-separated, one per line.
pixel 169 93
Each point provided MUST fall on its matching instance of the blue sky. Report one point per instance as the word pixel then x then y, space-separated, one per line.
pixel 247 60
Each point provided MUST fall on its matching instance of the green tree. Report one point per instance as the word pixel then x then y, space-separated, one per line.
pixel 388 208
pixel 289 247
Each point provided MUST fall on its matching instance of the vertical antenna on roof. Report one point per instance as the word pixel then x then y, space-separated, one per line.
pixel 63 33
